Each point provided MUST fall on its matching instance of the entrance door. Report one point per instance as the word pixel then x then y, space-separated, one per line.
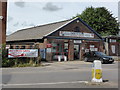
pixel 76 52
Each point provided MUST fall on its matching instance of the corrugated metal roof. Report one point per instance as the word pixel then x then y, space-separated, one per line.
pixel 35 32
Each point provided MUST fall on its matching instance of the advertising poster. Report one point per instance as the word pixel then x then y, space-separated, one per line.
pixel 12 53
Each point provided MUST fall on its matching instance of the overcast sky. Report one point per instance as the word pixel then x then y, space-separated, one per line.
pixel 28 14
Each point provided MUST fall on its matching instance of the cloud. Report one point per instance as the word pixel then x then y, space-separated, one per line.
pixel 16 24
pixel 20 4
pixel 24 23
pixel 51 7
pixel 31 24
pixel 9 32
pixel 10 18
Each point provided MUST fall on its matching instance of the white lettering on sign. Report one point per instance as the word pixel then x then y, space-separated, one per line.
pixel 112 40
pixel 49 50
pixel 77 41
pixel 76 34
pixel 12 53
pixel 92 46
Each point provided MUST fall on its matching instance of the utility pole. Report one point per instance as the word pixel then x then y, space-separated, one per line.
pixel 3 21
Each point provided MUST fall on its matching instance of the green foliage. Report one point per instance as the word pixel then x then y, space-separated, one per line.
pixel 118 40
pixel 101 20
pixel 5 61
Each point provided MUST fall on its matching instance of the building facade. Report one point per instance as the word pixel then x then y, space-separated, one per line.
pixel 70 38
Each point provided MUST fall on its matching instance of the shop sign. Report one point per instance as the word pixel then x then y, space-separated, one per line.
pixel 49 50
pixel 92 46
pixel 76 34
pixel 93 49
pixel 7 46
pixel 49 45
pixel 77 41
pixel 112 40
pixel 13 53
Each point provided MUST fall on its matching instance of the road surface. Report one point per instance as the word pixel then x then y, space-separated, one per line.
pixel 72 74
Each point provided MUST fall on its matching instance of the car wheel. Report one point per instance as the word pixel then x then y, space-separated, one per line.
pixel 85 59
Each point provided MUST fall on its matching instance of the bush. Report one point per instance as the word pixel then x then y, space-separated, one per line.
pixel 8 62
pixel 5 61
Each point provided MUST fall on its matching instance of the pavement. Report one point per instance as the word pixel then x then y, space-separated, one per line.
pixel 70 74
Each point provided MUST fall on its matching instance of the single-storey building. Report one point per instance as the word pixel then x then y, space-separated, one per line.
pixel 70 38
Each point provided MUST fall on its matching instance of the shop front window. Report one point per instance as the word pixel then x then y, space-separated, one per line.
pixel 22 47
pixel 59 48
pixel 66 49
pixel 17 47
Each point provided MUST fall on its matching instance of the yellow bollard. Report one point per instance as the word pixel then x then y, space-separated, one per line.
pixel 97 71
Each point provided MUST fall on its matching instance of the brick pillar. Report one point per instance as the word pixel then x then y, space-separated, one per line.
pixel 71 50
pixel 101 47
pixel 82 50
pixel 48 54
pixel 106 48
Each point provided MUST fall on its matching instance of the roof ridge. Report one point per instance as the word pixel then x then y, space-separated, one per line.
pixel 41 25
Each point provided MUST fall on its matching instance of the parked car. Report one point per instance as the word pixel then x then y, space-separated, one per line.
pixel 95 55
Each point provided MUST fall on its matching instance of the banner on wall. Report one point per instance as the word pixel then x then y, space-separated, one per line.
pixel 13 53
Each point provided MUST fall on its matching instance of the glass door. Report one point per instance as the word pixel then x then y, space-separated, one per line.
pixel 58 48
pixel 76 52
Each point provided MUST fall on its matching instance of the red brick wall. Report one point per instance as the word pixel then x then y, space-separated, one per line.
pixel 70 27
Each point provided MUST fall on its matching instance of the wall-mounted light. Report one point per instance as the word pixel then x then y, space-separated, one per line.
pixel 1 17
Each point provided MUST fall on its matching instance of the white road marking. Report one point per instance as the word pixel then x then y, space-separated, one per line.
pixel 28 84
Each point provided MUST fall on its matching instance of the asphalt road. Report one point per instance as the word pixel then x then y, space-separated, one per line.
pixel 72 74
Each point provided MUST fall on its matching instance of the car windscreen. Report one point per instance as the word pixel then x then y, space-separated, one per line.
pixel 100 54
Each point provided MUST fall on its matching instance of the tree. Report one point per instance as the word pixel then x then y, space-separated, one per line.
pixel 101 20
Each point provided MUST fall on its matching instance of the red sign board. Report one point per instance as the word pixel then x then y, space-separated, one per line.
pixel 49 45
